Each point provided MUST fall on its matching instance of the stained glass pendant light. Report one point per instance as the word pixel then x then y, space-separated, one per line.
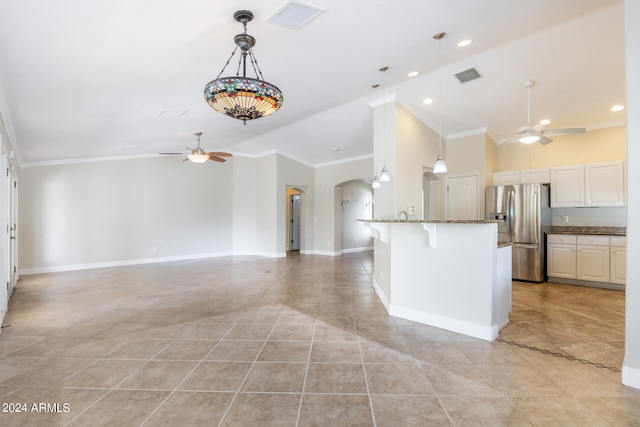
pixel 242 97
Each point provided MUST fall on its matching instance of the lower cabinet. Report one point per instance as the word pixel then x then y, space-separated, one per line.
pixel 593 258
pixel 618 260
pixel 587 258
pixel 561 260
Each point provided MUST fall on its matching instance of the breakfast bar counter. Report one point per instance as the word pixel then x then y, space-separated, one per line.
pixel 446 273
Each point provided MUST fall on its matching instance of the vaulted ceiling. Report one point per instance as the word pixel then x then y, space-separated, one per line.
pixel 85 79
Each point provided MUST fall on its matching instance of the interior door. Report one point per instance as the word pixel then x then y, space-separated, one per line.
pixel 295 222
pixel 462 197
pixel 5 233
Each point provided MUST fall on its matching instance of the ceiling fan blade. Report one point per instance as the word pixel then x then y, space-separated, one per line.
pixel 219 154
pixel 508 140
pixel 562 131
pixel 544 140
pixel 216 158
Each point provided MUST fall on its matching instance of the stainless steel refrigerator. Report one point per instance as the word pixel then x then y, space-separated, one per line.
pixel 527 216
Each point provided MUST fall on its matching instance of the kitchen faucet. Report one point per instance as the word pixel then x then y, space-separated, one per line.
pixel 406 217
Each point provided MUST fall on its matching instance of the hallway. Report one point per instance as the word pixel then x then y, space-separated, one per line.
pixel 301 341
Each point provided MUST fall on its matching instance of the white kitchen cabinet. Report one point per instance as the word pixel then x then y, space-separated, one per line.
pixel 561 256
pixel 604 184
pixel 593 184
pixel 592 261
pixel 567 186
pixel 526 176
pixel 532 176
pixel 587 258
pixel 506 178
pixel 618 260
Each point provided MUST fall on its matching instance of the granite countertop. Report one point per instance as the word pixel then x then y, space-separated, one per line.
pixel 609 231
pixel 434 221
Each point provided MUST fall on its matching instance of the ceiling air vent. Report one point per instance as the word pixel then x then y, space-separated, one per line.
pixel 295 15
pixel 468 75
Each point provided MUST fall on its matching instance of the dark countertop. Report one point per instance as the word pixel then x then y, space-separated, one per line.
pixel 608 231
pixel 433 221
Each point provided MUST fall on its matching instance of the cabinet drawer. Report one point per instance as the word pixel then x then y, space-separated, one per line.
pixel 593 240
pixel 562 238
pixel 619 241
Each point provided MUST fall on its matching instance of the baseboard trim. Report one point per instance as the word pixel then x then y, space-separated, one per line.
pixel 487 333
pixel 630 376
pixel 140 261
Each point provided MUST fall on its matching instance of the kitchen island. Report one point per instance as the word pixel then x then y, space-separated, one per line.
pixel 446 273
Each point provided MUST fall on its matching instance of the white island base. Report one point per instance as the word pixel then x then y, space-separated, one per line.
pixel 448 274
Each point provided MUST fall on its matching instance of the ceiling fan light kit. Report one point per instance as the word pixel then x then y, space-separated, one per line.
pixel 242 97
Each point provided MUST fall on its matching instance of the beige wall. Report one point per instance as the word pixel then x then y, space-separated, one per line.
pixel 594 146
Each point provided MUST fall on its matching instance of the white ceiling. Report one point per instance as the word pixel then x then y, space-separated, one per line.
pixel 85 79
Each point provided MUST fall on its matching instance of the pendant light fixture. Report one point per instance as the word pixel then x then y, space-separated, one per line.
pixel 440 166
pixel 241 97
pixel 384 175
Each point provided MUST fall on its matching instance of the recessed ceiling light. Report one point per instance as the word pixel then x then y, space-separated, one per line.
pixel 428 101
pixel 336 149
pixel 464 43
pixel 617 108
pixel 413 74
pixel 545 122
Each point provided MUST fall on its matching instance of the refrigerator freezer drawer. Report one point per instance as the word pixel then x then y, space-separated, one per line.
pixel 528 262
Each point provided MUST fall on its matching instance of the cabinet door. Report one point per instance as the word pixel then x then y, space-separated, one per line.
pixel 604 184
pixel 532 176
pixel 567 186
pixel 561 260
pixel 506 178
pixel 593 263
pixel 618 265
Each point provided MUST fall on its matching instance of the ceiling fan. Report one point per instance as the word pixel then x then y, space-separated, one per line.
pixel 530 134
pixel 198 155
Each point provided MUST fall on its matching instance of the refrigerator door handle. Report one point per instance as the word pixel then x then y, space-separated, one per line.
pixel 510 202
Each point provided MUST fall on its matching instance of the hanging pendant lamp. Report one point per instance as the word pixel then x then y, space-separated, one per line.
pixel 241 97
pixel 440 166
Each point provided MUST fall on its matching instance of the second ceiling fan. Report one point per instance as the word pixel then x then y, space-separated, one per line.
pixel 530 134
pixel 198 155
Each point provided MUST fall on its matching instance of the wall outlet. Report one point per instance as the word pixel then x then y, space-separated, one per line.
pixel 565 218
pixel 411 209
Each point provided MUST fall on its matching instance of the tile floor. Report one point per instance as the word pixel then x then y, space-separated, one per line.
pixel 302 341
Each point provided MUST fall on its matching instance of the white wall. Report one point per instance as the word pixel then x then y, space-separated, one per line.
pixel 416 149
pixel 267 206
pixel 631 363
pixel 245 207
pixel 98 213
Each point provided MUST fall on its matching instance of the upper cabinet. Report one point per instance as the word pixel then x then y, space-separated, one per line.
pixel 594 184
pixel 527 176
pixel 567 186
pixel 604 184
